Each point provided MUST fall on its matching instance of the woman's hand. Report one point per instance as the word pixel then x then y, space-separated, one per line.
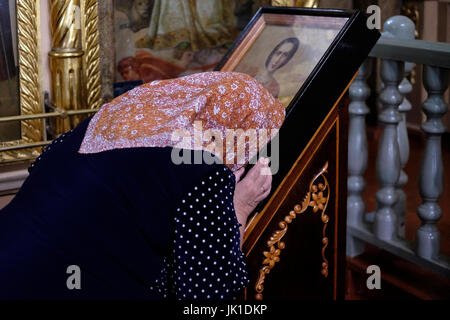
pixel 251 190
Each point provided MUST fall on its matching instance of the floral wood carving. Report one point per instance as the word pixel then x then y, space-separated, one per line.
pixel 317 198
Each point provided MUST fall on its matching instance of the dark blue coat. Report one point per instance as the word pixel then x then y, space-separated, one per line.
pixel 108 213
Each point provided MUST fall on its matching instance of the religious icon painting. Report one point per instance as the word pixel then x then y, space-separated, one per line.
pixel 163 39
pixel 306 58
pixel 284 47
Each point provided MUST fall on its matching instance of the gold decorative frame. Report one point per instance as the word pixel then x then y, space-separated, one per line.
pixel 91 47
pixel 296 3
pixel 30 93
pixel 30 97
pixel 316 199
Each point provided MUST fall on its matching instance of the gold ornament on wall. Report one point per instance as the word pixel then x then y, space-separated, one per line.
pixel 74 59
pixel 65 61
pixel 30 89
pixel 411 10
pixel 296 3
pixel 30 97
pixel 74 63
pixel 90 42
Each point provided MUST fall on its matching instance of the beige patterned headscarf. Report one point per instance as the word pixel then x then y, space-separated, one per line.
pixel 227 113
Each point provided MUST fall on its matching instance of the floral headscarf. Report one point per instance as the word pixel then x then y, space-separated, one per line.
pixel 203 111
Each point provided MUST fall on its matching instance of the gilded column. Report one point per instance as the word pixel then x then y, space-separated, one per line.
pixel 65 60
pixel 91 46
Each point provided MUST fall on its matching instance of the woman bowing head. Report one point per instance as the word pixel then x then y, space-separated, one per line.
pixel 146 199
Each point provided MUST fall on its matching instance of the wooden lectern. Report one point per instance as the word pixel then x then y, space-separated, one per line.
pixel 295 240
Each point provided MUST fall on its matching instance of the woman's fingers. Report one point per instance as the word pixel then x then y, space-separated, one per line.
pixel 260 172
pixel 263 181
pixel 268 183
pixel 252 174
pixel 254 187
pixel 263 195
pixel 238 174
pixel 257 183
pixel 265 189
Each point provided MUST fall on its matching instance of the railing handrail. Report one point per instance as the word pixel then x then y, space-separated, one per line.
pixel 418 51
pixel 385 227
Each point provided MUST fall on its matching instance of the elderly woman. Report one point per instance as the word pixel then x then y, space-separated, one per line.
pixel 109 211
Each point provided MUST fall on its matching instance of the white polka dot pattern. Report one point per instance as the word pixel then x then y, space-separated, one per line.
pixel 206 261
pixel 52 146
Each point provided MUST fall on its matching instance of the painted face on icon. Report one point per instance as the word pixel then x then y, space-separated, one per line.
pixel 280 56
pixel 142 7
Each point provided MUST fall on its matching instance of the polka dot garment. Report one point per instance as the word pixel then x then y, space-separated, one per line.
pixel 206 261
pixel 52 146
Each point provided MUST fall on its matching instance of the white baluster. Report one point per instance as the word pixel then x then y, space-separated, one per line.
pixel 357 155
pixel 404 88
pixel 388 158
pixel 435 81
pixel 401 27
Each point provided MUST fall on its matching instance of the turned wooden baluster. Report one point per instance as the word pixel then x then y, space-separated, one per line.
pixel 388 158
pixel 435 81
pixel 404 88
pixel 401 27
pixel 357 154
pixel 357 145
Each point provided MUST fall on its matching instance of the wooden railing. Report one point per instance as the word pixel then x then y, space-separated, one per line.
pixel 385 228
